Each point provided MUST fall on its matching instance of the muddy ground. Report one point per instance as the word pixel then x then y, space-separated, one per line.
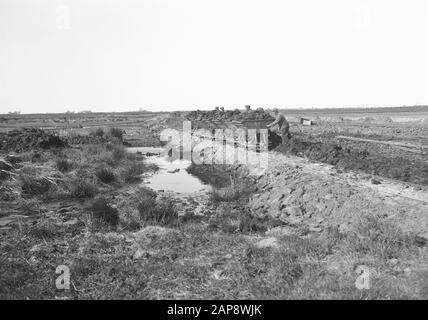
pixel 378 160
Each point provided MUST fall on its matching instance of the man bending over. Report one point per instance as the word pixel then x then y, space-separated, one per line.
pixel 283 128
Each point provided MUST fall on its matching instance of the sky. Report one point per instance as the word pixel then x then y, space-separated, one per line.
pixel 123 55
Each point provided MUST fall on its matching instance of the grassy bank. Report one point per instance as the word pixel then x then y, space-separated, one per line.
pixel 189 260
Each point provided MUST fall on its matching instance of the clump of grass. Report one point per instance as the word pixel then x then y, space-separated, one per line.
pixel 229 193
pixel 64 165
pixel 190 217
pixel 34 186
pixel 98 132
pixel 44 230
pixel 131 173
pixel 215 175
pixel 285 271
pixel 313 249
pixel 256 261
pixel 116 133
pixel 249 224
pixel 375 237
pixel 131 221
pixel 83 188
pixel 242 220
pixel 119 152
pixel 105 175
pixel 15 274
pixel 94 150
pixel 147 196
pixel 109 146
pixel 102 214
pixel 112 154
pixel 224 225
pixel 153 212
pixel 282 265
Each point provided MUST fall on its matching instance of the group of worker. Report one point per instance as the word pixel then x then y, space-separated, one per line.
pixel 280 125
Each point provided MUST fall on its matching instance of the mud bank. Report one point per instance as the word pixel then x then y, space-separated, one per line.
pixel 25 139
pixel 219 176
pixel 361 157
pixel 317 196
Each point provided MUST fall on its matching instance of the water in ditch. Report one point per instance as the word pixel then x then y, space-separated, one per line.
pixel 172 175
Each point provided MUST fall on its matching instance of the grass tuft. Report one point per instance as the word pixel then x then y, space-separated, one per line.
pixel 103 215
pixel 82 188
pixel 119 152
pixel 251 224
pixel 375 237
pixel 105 175
pixel 153 212
pixel 44 230
pixel 34 186
pixel 131 173
pixel 98 132
pixel 64 165
pixel 116 133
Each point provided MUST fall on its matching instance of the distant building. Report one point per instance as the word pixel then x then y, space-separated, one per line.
pixel 306 122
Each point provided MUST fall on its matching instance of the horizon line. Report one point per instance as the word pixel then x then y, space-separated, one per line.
pixel 294 108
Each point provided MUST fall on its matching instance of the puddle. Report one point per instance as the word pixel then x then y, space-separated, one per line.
pixel 147 150
pixel 172 175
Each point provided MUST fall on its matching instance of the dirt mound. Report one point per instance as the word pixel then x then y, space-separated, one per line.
pixel 298 198
pixel 221 114
pixel 399 168
pixel 29 138
pixel 305 195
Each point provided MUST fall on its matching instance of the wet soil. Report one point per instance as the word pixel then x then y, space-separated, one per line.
pixel 365 157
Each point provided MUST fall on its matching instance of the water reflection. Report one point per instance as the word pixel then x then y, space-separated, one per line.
pixel 172 174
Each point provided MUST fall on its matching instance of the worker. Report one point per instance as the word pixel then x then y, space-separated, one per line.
pixel 282 125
